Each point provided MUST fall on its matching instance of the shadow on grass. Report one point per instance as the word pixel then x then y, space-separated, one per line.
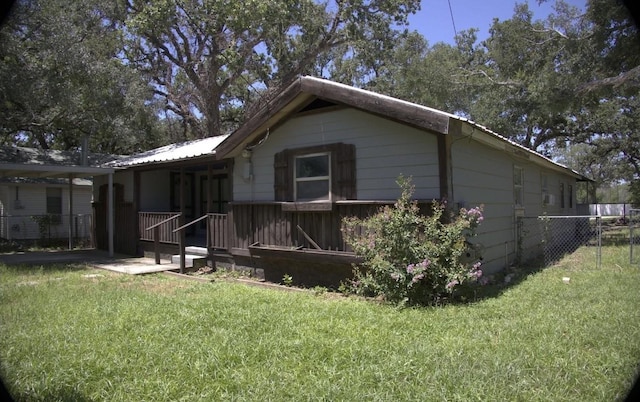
pixel 62 394
pixel 500 282
pixel 33 268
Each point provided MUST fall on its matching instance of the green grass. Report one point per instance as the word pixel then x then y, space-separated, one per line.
pixel 65 336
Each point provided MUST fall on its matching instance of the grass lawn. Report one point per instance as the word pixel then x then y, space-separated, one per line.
pixel 76 334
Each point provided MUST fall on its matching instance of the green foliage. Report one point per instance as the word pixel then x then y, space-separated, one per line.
pixel 61 79
pixel 411 258
pixel 287 280
pixel 45 222
pixel 209 59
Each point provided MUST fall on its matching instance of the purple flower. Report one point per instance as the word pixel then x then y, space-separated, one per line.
pixel 417 278
pixel 410 268
pixel 451 284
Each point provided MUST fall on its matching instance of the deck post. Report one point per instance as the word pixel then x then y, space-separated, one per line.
pixel 156 243
pixel 110 214
pixel 183 213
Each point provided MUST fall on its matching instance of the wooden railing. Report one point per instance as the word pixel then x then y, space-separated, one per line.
pixel 166 222
pixel 218 231
pixel 158 228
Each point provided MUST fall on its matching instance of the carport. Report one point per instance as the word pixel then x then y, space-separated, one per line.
pixel 34 168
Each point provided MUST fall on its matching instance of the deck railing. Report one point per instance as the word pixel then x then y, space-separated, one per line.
pixel 218 231
pixel 166 234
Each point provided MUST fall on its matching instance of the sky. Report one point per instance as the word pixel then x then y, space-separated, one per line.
pixel 434 19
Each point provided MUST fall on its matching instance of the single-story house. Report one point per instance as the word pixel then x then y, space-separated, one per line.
pixel 279 186
pixel 46 194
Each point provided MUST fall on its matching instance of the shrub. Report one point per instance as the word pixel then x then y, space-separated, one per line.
pixel 409 257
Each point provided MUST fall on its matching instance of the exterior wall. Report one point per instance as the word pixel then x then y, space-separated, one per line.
pixel 384 151
pixel 124 177
pixel 155 191
pixel 17 223
pixel 485 175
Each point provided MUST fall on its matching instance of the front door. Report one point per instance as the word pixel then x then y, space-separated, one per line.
pixel 188 198
pixel 220 193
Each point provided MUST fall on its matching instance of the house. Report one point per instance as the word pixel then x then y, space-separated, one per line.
pixel 46 195
pixel 319 151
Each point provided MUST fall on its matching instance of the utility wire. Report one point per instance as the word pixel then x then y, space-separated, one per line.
pixel 455 31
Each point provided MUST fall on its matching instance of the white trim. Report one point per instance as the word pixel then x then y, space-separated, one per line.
pixel 297 179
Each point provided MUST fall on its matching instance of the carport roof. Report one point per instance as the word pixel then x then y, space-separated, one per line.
pixel 170 153
pixel 31 162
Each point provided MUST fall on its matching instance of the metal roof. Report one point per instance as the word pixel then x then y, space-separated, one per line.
pixel 170 153
pixel 31 162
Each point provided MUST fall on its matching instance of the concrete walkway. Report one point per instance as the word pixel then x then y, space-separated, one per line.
pixel 93 258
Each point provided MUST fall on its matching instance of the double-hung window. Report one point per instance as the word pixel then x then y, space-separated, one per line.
pixel 312 177
pixel 518 186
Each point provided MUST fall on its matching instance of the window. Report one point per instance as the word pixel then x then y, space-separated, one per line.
pixel 518 186
pixel 561 195
pixel 312 176
pixel 54 201
pixel 316 173
pixel 570 196
pixel 544 186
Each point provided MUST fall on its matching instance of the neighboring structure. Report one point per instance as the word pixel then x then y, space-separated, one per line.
pixel 320 151
pixel 37 209
pixel 46 195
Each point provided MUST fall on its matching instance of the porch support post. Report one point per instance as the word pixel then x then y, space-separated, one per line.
pixel 70 224
pixel 182 218
pixel 136 209
pixel 110 214
pixel 209 188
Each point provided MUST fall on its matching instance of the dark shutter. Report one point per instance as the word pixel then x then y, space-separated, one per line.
pixel 346 172
pixel 282 184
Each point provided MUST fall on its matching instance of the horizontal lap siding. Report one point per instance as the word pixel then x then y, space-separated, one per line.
pixel 384 150
pixel 484 176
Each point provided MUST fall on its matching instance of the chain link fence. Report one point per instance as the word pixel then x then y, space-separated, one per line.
pixel 47 229
pixel 548 239
pixel 634 236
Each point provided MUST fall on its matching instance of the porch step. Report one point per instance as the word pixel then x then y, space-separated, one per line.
pixel 195 250
pixel 190 260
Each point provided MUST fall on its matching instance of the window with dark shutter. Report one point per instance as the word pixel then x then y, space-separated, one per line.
pixel 318 173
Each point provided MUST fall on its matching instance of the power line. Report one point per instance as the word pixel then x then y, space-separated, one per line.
pixel 455 31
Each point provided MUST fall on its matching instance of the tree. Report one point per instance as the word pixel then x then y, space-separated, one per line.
pixel 61 80
pixel 209 59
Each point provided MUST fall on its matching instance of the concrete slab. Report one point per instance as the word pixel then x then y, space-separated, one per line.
pixel 94 258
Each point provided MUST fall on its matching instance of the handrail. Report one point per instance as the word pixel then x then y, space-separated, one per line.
pixel 164 221
pixel 190 223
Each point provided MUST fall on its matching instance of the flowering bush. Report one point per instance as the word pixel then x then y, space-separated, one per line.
pixel 411 258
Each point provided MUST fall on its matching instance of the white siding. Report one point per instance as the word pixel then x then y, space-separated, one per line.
pixel 121 177
pixel 17 222
pixel 484 175
pixel 384 151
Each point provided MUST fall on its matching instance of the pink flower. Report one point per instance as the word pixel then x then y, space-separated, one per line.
pixel 410 268
pixel 417 278
pixel 451 284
